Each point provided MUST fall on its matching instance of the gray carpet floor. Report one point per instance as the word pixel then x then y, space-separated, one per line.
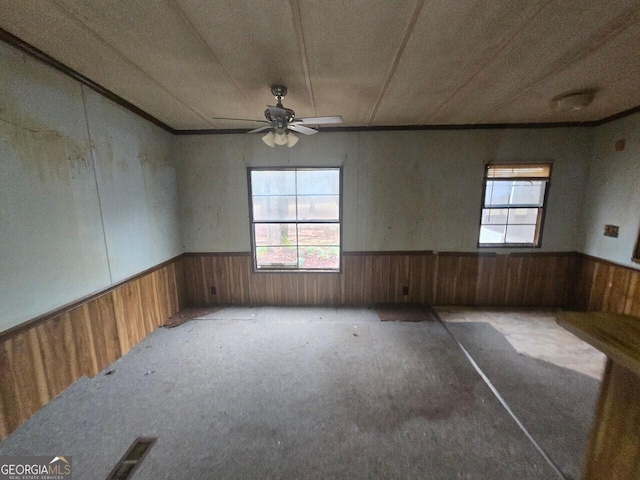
pixel 555 404
pixel 288 393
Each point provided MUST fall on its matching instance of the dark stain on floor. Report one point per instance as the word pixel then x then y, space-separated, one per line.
pixel 404 312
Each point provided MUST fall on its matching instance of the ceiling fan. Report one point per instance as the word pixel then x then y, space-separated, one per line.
pixel 282 121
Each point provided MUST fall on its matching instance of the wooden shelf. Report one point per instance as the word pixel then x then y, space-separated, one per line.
pixel 618 336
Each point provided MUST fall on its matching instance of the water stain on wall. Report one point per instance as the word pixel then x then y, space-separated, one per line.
pixel 160 193
pixel 44 152
pixel 154 157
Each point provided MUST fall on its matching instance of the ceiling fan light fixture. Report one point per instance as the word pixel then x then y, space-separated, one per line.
pixel 269 139
pixel 280 137
pixel 291 140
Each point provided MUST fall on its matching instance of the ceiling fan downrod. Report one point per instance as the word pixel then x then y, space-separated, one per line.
pixel 279 91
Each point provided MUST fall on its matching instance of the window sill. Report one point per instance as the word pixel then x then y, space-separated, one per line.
pixel 267 270
pixel 508 245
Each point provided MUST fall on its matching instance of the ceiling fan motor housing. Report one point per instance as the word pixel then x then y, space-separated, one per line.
pixel 279 116
pixel 282 116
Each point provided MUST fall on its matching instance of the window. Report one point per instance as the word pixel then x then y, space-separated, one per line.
pixel 295 218
pixel 513 205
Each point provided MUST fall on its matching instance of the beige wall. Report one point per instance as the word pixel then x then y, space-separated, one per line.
pixel 70 225
pixel 613 192
pixel 417 190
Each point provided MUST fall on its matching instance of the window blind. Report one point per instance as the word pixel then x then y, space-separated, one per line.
pixel 518 171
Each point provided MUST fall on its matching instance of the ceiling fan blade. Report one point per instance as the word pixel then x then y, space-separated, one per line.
pixel 259 129
pixel 296 127
pixel 321 120
pixel 239 119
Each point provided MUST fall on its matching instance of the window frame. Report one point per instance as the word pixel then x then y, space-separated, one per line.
pixel 543 209
pixel 635 257
pixel 252 222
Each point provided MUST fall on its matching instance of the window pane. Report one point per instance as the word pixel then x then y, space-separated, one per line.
pixel 273 182
pixel 527 193
pixel 523 216
pixel 318 182
pixel 270 234
pixel 488 192
pixel 326 207
pixel 319 234
pixel 274 208
pixel 494 215
pixel 492 233
pixel 521 233
pixel 497 193
pixel 276 257
pixel 513 204
pixel 325 258
pixel 280 200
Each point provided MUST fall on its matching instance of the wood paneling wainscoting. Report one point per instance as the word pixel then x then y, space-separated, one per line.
pixel 615 438
pixel 42 357
pixel 516 279
pixel 604 286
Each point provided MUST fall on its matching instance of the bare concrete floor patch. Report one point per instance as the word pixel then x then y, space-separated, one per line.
pixel 535 333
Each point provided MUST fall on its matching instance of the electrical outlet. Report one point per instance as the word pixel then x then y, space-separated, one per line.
pixel 611 231
pixel 405 290
pixel 213 290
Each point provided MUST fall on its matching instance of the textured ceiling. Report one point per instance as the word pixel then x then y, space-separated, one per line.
pixel 375 62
